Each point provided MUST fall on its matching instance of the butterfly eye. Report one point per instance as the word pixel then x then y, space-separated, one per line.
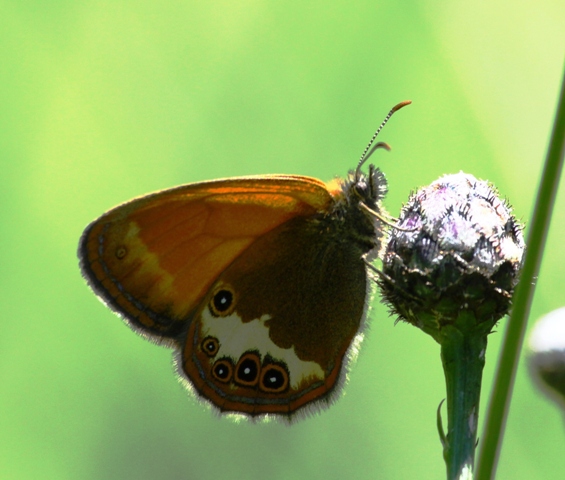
pixel 274 378
pixel 210 346
pixel 222 303
pixel 223 370
pixel 247 369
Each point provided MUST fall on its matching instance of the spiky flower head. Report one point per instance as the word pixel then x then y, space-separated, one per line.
pixel 457 248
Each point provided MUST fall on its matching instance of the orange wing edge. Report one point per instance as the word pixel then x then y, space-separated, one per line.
pixel 168 331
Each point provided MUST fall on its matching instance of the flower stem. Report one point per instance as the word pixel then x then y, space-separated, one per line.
pixel 463 358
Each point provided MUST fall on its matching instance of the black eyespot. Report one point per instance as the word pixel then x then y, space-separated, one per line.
pixel 222 303
pixel 247 369
pixel 274 378
pixel 222 300
pixel 222 370
pixel 210 346
pixel 121 252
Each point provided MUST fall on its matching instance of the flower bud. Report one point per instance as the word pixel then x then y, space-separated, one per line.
pixel 457 247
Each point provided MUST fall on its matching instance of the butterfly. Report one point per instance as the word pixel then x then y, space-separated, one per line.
pixel 261 284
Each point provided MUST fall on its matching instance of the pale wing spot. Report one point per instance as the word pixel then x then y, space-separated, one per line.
pixel 149 268
pixel 236 337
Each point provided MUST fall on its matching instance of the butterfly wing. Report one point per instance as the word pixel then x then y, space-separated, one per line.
pixel 153 259
pixel 272 333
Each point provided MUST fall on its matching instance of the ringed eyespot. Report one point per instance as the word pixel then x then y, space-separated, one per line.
pixel 222 370
pixel 210 346
pixel 247 369
pixel 274 378
pixel 222 303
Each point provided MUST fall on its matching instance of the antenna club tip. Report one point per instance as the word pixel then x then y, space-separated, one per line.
pixel 400 105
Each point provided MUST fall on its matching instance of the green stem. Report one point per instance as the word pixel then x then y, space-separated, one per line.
pixel 538 227
pixel 463 358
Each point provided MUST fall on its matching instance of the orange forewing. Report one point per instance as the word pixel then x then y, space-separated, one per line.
pixel 152 259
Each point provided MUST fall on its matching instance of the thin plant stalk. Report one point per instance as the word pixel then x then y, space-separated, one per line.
pixel 537 233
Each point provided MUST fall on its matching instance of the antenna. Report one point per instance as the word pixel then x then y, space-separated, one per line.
pixel 366 154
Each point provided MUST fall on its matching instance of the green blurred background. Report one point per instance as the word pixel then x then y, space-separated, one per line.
pixel 102 101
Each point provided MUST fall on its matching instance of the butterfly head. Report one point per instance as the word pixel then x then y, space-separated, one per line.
pixel 368 188
pixel 358 202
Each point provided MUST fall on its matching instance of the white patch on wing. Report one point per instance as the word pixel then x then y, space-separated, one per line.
pixel 236 337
